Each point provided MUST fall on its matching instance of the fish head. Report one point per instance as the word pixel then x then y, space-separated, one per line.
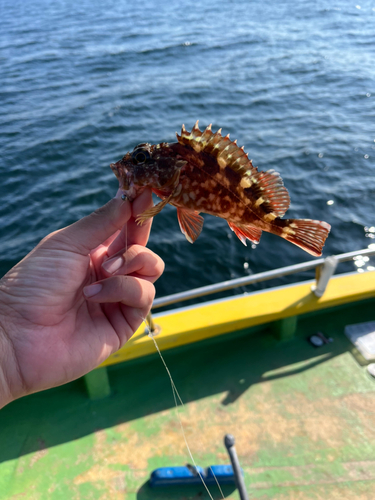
pixel 147 166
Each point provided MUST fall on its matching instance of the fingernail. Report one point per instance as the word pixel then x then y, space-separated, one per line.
pixel 112 265
pixel 91 290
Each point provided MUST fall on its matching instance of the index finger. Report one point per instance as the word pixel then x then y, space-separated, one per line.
pixel 132 233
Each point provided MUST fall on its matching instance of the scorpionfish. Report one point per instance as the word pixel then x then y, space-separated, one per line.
pixel 206 172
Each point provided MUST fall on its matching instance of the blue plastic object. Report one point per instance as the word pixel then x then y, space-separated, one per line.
pixel 168 476
pixel 223 473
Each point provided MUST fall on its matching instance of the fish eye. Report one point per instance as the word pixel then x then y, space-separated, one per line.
pixel 140 156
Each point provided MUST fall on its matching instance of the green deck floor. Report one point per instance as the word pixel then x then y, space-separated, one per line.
pixel 303 419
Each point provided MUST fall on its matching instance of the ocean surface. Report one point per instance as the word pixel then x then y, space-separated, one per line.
pixel 81 83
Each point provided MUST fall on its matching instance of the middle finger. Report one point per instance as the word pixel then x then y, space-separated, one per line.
pixel 136 261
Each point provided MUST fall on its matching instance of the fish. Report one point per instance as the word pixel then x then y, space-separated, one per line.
pixel 206 172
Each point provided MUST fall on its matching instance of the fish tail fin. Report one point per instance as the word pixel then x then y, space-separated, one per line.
pixel 310 235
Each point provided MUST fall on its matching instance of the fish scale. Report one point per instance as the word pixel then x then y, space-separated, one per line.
pixel 205 172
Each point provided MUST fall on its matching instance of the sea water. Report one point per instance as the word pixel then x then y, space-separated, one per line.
pixel 81 83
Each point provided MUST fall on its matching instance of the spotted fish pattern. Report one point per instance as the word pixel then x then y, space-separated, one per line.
pixel 204 172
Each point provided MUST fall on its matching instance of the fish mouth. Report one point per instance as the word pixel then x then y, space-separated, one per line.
pixel 126 183
pixel 114 168
pixel 122 175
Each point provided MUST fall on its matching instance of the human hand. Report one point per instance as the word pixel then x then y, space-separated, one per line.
pixel 62 312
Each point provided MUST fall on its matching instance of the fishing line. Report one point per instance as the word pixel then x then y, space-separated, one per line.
pixel 175 393
pixel 176 396
pixel 217 482
pixel 174 388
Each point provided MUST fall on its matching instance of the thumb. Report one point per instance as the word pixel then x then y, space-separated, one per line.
pixel 89 232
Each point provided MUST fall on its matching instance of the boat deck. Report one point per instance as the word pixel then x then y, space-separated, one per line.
pixel 303 419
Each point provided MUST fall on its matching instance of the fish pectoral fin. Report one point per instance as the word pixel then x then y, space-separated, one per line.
pixel 191 223
pixel 246 232
pixel 151 212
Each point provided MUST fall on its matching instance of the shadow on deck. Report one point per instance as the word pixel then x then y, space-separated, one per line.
pixel 231 365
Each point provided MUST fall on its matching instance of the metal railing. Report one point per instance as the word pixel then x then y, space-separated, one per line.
pixel 325 268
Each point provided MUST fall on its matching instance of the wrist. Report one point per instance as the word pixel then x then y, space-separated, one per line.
pixel 5 393
pixel 8 365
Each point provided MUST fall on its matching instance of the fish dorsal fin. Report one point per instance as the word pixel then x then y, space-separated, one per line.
pixel 262 188
pixel 226 152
